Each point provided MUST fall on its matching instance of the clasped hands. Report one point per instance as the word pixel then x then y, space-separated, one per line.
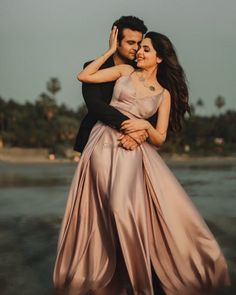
pixel 134 132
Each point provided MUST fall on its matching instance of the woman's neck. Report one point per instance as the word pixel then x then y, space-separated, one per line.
pixel 149 74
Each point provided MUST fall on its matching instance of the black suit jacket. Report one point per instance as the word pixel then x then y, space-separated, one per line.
pixel 97 98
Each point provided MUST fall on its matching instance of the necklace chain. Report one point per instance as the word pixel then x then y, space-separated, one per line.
pixel 142 79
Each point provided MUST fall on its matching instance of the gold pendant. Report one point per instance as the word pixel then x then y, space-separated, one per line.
pixel 152 88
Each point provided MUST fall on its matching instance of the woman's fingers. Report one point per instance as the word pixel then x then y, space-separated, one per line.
pixel 116 33
pixel 126 122
pixel 128 130
pixel 131 125
pixel 128 127
pixel 113 37
pixel 125 125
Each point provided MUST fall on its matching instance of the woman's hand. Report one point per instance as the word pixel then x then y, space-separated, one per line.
pixel 113 39
pixel 132 125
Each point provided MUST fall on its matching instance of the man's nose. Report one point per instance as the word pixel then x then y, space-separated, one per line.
pixel 136 47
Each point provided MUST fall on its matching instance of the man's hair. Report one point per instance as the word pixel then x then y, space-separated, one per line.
pixel 129 22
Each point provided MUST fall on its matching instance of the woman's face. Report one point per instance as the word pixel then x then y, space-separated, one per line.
pixel 147 55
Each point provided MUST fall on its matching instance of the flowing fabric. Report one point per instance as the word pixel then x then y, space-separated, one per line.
pixel 132 199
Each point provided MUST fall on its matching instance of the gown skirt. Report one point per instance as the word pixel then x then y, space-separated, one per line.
pixel 128 206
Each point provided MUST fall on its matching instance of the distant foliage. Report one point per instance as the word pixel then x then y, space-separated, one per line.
pixel 219 101
pixel 206 135
pixel 47 124
pixel 39 124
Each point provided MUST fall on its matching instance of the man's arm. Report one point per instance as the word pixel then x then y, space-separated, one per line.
pixel 102 111
pixel 153 120
pixel 99 108
pixel 109 115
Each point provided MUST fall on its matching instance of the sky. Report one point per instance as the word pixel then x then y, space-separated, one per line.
pixel 53 38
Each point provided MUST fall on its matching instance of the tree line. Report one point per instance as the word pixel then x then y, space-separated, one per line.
pixel 45 123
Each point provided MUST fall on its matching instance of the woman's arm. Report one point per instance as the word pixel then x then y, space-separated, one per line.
pixel 156 135
pixel 92 74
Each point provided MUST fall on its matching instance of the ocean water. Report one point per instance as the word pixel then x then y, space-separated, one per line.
pixel 32 202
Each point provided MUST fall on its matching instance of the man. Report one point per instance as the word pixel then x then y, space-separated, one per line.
pixel 98 96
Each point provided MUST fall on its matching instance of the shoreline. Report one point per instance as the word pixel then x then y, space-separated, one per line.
pixel 18 155
pixel 178 159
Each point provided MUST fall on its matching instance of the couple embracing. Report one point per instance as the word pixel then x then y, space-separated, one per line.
pixel 129 227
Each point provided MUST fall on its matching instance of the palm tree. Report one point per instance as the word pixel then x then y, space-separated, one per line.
pixel 53 86
pixel 48 105
pixel 200 103
pixel 219 102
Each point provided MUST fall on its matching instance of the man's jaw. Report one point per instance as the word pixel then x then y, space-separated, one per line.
pixel 125 59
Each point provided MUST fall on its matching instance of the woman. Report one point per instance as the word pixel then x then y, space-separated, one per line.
pixel 130 200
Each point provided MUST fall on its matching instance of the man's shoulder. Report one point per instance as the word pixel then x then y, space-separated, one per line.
pixel 107 64
pixel 110 63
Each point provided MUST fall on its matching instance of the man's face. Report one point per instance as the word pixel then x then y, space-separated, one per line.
pixel 130 43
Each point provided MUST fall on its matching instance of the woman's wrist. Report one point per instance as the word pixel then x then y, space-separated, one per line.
pixel 108 53
pixel 104 57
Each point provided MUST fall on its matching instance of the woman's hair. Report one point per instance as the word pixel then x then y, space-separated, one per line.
pixel 129 22
pixel 171 76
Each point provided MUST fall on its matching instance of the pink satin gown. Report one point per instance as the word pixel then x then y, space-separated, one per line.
pixel 131 198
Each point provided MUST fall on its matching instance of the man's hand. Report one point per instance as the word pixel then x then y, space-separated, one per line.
pixel 132 140
pixel 127 142
pixel 139 136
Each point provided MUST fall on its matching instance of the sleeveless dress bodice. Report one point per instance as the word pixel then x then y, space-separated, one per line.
pixel 125 99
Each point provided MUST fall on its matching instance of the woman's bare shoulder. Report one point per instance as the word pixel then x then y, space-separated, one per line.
pixel 125 69
pixel 166 94
pixel 166 99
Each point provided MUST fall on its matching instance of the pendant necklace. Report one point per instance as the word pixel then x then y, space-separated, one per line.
pixel 142 79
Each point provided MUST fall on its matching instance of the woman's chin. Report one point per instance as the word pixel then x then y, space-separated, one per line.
pixel 140 64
